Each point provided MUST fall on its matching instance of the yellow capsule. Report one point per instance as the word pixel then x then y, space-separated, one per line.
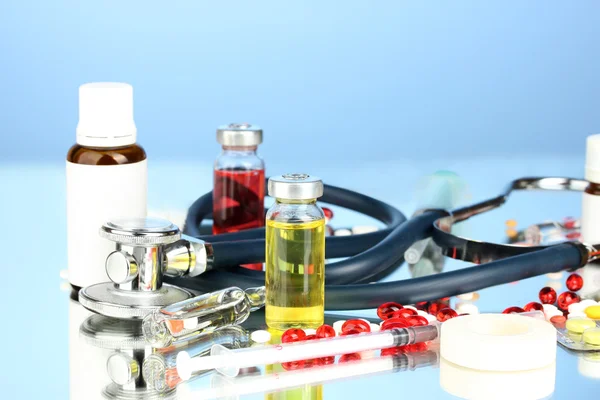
pixel 578 325
pixel 593 312
pixel 592 336
pixel 511 223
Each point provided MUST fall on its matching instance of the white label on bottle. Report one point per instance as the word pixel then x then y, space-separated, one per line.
pixel 590 219
pixel 95 195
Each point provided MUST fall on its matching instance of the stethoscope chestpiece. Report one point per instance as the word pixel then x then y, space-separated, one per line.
pixel 136 269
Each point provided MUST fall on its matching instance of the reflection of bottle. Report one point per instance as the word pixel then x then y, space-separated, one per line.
pixel 188 319
pixel 106 177
pixel 295 253
pixel 306 392
pixel 87 364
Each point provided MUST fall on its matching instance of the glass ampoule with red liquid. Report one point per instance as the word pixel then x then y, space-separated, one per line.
pixel 239 181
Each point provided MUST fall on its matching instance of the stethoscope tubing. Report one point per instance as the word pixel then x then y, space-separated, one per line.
pixel 367 261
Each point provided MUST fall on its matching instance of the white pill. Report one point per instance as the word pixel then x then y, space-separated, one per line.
pixel 549 308
pixel 466 296
pixel 337 326
pixel 467 308
pixel 342 232
pixel 586 303
pixel 422 313
pixel 411 307
pixel 550 311
pixel 576 307
pixel 555 276
pixel 359 230
pixel 430 318
pixel 310 331
pixel 375 328
pixel 576 314
pixel 260 336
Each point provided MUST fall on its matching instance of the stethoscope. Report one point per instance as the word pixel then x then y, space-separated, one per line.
pixel 147 254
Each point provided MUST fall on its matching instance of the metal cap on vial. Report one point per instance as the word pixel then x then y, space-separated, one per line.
pixel 295 187
pixel 239 135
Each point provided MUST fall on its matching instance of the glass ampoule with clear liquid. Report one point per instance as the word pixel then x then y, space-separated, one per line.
pixel 295 254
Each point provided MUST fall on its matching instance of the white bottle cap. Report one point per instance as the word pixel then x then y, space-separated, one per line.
pixel 106 115
pixel 592 158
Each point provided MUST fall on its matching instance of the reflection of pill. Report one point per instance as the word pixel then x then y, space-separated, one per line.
pixel 578 325
pixel 576 337
pixel 512 233
pixel 592 336
pixel 511 223
pixel 593 312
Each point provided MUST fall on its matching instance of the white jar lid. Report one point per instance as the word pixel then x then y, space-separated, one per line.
pixel 498 342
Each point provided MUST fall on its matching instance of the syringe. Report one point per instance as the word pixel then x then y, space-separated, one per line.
pixel 229 362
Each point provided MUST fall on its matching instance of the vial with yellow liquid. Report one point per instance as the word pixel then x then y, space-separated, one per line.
pixel 295 253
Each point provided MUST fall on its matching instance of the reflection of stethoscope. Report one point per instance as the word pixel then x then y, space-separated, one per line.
pixel 213 260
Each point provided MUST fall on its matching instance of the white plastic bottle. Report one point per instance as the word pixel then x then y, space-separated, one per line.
pixel 590 214
pixel 106 177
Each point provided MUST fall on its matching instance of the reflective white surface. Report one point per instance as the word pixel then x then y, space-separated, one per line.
pixel 45 359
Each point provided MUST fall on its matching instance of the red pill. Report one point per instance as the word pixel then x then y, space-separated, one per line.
pixel 558 321
pixel 513 310
pixel 413 348
pixel 566 299
pixel 356 325
pixel 349 357
pixel 533 306
pixel 293 365
pixel 328 213
pixel 392 351
pixel 569 222
pixel 422 305
pixel 445 314
pixel 386 310
pixel 547 295
pixel 327 360
pixel 435 307
pixel 394 323
pixel 404 313
pixel 325 331
pixel 574 282
pixel 293 335
pixel 417 320
pixel 573 235
pixel 351 332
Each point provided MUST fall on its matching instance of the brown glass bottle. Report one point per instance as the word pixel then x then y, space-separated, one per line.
pixel 106 156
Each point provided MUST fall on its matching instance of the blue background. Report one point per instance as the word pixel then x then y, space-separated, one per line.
pixel 390 91
pixel 381 80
